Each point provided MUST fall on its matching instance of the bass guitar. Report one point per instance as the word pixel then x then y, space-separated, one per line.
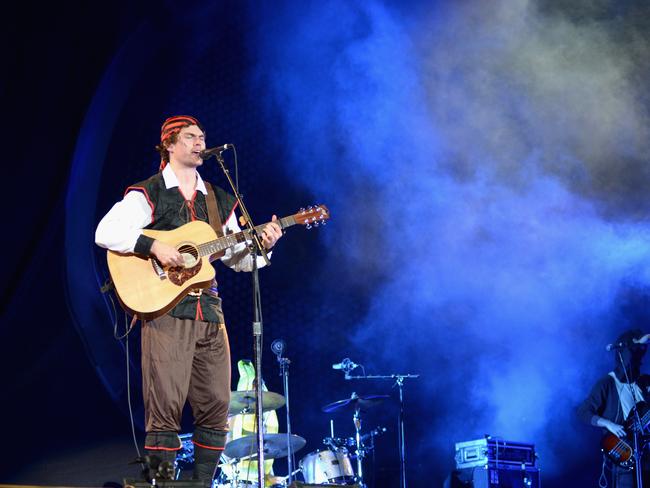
pixel 620 451
pixel 147 289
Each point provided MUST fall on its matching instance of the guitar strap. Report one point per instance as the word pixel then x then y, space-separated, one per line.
pixel 214 219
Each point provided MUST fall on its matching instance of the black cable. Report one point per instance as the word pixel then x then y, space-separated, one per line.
pixel 234 150
pixel 112 315
pixel 126 321
pixel 128 390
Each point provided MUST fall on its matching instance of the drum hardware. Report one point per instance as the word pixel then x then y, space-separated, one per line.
pixel 339 442
pixel 359 404
pixel 270 481
pixel 399 383
pixel 243 402
pixel 185 455
pixel 278 347
pixel 356 418
pixel 350 442
pixel 275 446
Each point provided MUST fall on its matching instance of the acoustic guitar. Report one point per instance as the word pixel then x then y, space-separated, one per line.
pixel 147 289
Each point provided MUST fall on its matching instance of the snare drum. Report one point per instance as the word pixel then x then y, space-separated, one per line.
pixel 327 467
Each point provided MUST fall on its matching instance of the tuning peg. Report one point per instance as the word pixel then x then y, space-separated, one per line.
pixel 302 209
pixel 308 226
pixel 316 224
pixel 310 208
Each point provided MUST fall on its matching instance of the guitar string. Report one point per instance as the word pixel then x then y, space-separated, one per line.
pixel 207 247
pixel 214 245
pixel 225 242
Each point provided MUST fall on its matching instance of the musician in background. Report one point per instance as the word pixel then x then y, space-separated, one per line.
pixel 612 398
pixel 185 353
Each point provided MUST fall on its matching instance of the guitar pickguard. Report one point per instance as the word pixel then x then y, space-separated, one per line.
pixel 179 275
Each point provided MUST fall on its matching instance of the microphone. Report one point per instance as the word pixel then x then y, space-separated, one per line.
pixel 346 365
pixel 278 347
pixel 208 153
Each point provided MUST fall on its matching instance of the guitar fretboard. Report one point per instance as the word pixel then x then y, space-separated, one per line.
pixel 230 240
pixel 645 419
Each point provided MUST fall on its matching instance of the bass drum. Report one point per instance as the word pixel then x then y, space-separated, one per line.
pixel 269 482
pixel 235 484
pixel 322 467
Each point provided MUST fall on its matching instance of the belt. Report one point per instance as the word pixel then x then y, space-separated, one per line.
pixel 197 292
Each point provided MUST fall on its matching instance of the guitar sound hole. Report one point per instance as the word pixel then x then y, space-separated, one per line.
pixel 190 255
pixel 180 274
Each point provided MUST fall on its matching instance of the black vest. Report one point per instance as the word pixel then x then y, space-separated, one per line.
pixel 170 210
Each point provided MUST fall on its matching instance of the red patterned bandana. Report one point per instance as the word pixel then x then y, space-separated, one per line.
pixel 173 125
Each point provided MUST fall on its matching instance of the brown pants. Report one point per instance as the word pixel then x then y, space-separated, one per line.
pixel 183 359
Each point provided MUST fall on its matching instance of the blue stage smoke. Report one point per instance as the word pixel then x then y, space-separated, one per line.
pixel 485 164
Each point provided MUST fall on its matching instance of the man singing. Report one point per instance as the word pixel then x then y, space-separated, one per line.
pixel 185 353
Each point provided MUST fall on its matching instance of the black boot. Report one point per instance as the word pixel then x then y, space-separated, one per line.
pixel 208 446
pixel 161 449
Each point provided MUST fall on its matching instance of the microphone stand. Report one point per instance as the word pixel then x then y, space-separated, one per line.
pixel 254 247
pixel 635 429
pixel 399 382
pixel 284 372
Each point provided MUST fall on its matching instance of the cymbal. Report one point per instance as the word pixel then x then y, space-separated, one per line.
pixel 244 402
pixel 356 401
pixel 275 446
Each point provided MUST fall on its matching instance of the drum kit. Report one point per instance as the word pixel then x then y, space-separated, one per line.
pixel 335 464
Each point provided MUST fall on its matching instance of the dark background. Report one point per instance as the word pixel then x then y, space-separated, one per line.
pixel 85 88
pixel 66 411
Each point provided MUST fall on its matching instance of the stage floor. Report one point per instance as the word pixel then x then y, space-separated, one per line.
pixel 100 464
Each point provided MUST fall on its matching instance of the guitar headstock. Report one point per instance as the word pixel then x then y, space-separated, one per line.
pixel 312 216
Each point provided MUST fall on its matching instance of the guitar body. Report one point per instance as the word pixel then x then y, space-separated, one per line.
pixel 616 449
pixel 148 290
pixel 620 451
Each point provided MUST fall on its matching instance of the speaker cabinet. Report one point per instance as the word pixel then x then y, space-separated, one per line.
pixel 300 484
pixel 492 477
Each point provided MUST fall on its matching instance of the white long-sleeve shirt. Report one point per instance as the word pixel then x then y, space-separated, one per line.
pixel 121 227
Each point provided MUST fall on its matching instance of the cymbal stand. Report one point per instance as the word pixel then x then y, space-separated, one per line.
pixel 399 382
pixel 361 452
pixel 278 347
pixel 255 246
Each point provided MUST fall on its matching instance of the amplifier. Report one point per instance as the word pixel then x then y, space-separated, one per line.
pixel 300 484
pixel 490 477
pixel 490 451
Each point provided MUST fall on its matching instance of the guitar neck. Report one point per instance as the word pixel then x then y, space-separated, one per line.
pixel 231 240
pixel 644 421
